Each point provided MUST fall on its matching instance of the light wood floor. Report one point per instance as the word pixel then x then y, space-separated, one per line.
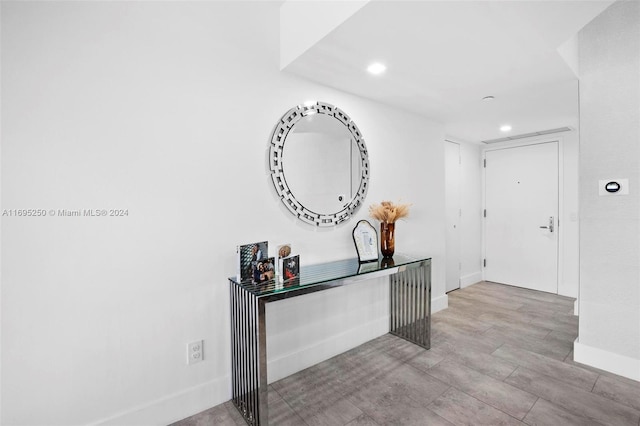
pixel 500 355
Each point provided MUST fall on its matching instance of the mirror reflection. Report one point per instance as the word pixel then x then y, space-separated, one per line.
pixel 321 163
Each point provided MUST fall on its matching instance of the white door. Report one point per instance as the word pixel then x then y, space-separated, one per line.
pixel 452 206
pixel 521 200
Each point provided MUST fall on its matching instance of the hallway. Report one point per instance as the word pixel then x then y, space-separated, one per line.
pixel 500 355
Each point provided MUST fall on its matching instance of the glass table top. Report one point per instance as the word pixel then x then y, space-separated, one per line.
pixel 323 273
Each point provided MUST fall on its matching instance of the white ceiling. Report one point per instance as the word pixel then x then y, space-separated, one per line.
pixel 443 57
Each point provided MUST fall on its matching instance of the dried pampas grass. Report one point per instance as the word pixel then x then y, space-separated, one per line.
pixel 388 212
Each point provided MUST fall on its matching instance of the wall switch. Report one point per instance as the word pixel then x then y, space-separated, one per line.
pixel 195 352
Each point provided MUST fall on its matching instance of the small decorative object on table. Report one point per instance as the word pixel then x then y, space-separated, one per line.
pixel 248 257
pixel 388 213
pixel 264 270
pixel 282 251
pixel 387 262
pixel 291 267
pixel 365 238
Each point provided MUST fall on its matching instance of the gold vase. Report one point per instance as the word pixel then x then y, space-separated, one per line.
pixel 387 239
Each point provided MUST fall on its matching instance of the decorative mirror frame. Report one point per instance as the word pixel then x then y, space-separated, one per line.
pixel 278 139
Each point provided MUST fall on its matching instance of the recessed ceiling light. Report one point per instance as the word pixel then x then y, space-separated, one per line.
pixel 488 98
pixel 505 128
pixel 309 103
pixel 376 68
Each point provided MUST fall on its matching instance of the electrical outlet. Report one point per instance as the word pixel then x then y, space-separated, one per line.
pixel 195 352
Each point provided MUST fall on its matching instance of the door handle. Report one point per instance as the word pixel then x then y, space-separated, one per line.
pixel 550 227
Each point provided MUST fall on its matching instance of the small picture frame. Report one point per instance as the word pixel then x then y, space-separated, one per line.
pixel 365 238
pixel 263 270
pixel 282 251
pixel 291 267
pixel 248 256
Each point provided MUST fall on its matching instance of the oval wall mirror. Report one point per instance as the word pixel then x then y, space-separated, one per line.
pixel 319 164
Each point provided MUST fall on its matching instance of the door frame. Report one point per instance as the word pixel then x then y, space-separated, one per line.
pixel 559 224
pixel 459 254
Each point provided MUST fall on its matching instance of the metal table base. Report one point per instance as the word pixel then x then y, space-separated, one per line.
pixel 410 319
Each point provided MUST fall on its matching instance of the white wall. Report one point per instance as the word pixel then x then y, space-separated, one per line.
pixel 568 229
pixel 165 109
pixel 471 207
pixel 609 333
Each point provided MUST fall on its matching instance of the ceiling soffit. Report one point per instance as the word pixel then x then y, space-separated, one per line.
pixel 443 57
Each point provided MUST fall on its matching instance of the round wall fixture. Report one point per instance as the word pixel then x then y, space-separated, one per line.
pixel 319 164
pixel 612 186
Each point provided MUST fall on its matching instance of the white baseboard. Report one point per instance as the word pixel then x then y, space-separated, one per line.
pixel 174 407
pixel 604 360
pixel 439 303
pixel 470 279
pixel 321 351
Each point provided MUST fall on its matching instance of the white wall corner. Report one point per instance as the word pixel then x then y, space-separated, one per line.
pixel 439 303
pixel 174 407
pixel 604 360
pixel 576 306
pixel 569 52
pixel 470 279
pixel 304 23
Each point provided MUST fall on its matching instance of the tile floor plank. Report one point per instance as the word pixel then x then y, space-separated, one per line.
pixel 547 347
pixel 280 413
pixel 544 413
pixel 362 420
pixel 393 402
pixel 462 409
pixel 496 393
pixel 339 413
pixel 498 368
pixel 620 389
pixel 573 399
pixel 551 367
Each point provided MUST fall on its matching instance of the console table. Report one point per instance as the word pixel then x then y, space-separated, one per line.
pixel 410 319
